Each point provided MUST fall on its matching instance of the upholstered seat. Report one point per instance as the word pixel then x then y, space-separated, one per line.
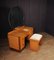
pixel 35 40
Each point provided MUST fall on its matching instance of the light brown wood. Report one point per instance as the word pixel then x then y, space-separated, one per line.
pixel 16 37
pixel 35 44
pixel 29 32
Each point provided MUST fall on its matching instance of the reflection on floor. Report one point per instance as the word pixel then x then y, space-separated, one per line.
pixel 46 51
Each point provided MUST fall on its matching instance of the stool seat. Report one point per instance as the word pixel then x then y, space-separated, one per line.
pixel 36 37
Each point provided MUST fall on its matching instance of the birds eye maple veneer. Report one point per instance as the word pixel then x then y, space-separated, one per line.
pixel 16 38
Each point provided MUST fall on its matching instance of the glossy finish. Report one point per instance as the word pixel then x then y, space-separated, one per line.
pixel 17 37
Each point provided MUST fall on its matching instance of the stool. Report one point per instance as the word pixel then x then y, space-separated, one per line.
pixel 35 41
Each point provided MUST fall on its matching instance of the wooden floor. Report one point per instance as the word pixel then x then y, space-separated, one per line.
pixel 46 51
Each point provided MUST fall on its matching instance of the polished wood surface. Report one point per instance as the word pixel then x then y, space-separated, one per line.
pixel 35 44
pixel 16 37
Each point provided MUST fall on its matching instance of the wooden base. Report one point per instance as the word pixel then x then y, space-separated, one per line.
pixel 34 45
pixel 16 49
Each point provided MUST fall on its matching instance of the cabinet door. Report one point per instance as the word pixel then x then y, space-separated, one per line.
pixel 22 43
pixel 13 42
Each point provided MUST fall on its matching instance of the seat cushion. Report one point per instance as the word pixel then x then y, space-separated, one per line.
pixel 36 37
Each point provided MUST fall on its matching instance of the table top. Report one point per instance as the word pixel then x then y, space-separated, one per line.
pixel 21 31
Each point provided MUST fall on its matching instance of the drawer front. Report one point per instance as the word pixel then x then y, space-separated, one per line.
pixel 13 42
